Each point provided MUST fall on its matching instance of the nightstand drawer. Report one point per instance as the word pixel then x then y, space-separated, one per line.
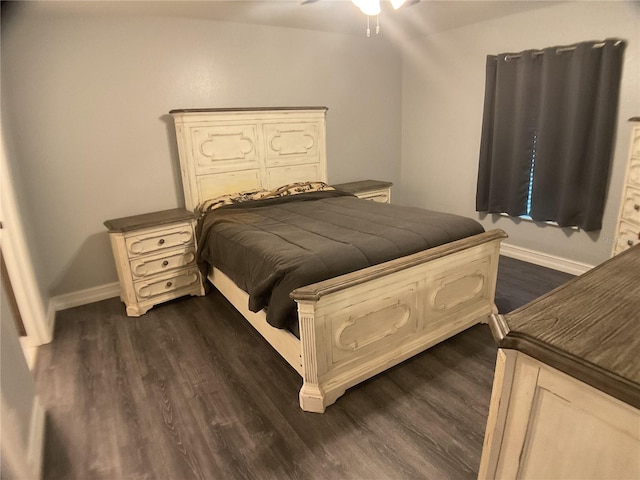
pixel 374 190
pixel 163 262
pixel 159 239
pixel 166 284
pixel 381 196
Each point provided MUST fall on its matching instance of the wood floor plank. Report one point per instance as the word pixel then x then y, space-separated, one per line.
pixel 519 283
pixel 190 390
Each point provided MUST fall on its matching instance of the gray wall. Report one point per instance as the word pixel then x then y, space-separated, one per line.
pixel 85 101
pixel 443 91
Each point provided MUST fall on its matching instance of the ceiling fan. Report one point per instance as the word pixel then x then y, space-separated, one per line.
pixel 399 3
pixel 372 8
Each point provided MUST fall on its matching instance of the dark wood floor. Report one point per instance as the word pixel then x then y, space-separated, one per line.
pixel 190 390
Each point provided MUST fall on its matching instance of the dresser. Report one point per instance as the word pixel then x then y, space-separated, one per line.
pixel 566 393
pixel 375 190
pixel 628 226
pixel 155 256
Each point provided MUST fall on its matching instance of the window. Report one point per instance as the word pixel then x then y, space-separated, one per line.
pixel 547 132
pixel 531 169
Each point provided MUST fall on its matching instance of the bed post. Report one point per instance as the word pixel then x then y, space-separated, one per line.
pixel 312 396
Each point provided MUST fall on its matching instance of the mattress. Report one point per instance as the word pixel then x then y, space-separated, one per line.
pixel 270 247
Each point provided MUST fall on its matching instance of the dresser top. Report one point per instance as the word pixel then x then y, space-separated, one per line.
pixel 148 220
pixel 588 328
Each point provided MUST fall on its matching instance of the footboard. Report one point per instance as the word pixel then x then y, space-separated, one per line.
pixel 357 325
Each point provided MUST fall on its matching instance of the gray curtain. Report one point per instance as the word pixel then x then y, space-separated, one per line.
pixel 548 129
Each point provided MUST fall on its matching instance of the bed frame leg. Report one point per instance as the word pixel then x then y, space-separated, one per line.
pixel 494 311
pixel 312 396
pixel 312 399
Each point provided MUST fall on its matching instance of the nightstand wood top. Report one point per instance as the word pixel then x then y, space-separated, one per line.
pixel 146 220
pixel 362 185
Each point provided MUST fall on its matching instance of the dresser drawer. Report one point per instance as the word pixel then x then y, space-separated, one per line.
pixel 166 284
pixel 634 171
pixel 628 226
pixel 627 236
pixel 631 205
pixel 164 262
pixel 635 142
pixel 159 239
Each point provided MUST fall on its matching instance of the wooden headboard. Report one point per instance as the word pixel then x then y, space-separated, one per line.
pixel 232 150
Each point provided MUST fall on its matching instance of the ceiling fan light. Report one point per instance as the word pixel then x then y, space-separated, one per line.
pixel 396 4
pixel 368 7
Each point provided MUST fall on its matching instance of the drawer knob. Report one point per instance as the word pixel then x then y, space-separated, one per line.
pixel 169 284
pixel 630 243
pixel 636 207
pixel 161 241
pixel 165 263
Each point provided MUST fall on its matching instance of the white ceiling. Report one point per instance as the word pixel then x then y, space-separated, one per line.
pixel 340 16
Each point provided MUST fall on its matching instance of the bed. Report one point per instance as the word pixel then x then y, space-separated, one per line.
pixel 354 325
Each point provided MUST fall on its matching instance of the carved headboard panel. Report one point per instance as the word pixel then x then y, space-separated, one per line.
pixel 232 150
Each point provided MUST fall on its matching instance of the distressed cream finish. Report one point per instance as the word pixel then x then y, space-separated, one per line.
pixel 155 258
pixel 628 229
pixel 545 424
pixel 229 151
pixel 356 325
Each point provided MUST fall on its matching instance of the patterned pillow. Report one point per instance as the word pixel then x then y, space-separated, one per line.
pixel 300 187
pixel 231 198
pixel 246 196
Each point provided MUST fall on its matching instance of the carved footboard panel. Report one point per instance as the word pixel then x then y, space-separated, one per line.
pixel 357 325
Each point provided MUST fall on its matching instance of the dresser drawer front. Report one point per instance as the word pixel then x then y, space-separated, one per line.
pixel 631 205
pixel 627 236
pixel 160 239
pixel 166 284
pixel 155 264
pixel 634 172
pixel 635 142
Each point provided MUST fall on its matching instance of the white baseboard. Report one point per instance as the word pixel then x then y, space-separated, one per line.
pixel 30 351
pixel 544 259
pixel 110 290
pixel 83 297
pixel 62 302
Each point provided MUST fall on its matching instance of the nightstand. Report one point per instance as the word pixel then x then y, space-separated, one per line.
pixel 375 190
pixel 155 257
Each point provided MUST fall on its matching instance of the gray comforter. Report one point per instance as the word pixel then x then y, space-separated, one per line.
pixel 271 247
